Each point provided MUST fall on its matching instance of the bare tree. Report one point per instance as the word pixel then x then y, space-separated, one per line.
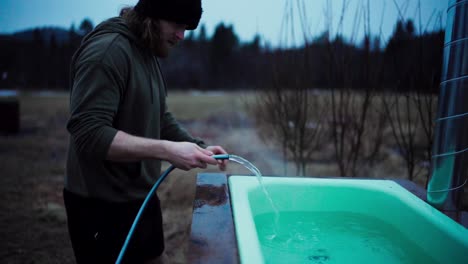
pixel 411 118
pixel 350 122
pixel 426 104
pixel 411 110
pixel 288 112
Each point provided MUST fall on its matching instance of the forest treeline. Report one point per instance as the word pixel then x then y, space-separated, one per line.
pixel 40 59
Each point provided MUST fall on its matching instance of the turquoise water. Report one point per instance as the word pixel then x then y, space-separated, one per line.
pixel 333 238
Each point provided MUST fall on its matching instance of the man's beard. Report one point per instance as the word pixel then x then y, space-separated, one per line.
pixel 153 40
pixel 159 49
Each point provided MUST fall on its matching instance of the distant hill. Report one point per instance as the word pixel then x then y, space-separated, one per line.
pixel 62 35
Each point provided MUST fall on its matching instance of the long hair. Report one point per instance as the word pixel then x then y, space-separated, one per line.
pixel 147 29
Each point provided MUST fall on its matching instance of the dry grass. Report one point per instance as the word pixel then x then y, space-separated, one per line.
pixel 32 163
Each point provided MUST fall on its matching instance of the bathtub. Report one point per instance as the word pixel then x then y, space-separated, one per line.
pixel 336 220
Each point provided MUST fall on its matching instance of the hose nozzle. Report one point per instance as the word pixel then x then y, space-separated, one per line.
pixel 221 156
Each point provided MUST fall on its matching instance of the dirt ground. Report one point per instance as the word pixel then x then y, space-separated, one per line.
pixel 32 217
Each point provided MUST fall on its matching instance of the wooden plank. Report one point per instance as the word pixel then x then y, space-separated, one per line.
pixel 212 238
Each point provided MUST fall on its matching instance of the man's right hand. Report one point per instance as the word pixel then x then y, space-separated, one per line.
pixel 187 155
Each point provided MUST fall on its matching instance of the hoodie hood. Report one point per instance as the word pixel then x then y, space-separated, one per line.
pixel 114 25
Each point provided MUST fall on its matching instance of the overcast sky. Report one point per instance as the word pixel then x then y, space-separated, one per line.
pixel 248 17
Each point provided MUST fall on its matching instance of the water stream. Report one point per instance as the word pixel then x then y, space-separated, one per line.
pixel 247 164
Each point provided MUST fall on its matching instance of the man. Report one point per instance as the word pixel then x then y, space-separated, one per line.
pixel 120 130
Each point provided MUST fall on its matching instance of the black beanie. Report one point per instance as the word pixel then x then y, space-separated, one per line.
pixel 186 12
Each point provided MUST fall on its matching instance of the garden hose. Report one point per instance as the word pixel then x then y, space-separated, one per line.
pixel 145 202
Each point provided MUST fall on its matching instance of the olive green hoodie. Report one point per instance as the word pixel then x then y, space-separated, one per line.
pixel 116 84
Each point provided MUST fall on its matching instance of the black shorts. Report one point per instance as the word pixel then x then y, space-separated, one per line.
pixel 98 229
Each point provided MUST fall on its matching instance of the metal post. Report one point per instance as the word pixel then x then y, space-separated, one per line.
pixel 449 169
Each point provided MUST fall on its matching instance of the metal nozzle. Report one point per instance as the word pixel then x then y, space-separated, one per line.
pixel 221 156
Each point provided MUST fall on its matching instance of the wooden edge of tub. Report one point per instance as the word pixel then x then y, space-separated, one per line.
pixel 212 237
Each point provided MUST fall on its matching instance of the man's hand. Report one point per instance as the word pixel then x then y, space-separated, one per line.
pixel 219 150
pixel 186 156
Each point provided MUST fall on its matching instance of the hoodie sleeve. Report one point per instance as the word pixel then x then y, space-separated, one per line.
pixel 95 98
pixel 172 130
